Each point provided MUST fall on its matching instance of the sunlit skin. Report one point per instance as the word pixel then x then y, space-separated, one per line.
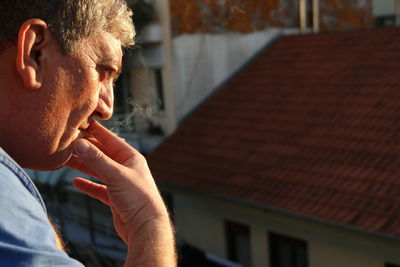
pixel 53 108
pixel 87 91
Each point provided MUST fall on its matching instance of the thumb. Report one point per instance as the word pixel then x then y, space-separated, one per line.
pixel 96 160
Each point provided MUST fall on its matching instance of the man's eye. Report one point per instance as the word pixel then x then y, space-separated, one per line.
pixel 106 74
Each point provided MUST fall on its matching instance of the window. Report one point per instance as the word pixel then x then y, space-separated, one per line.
pixel 157 94
pixel 122 119
pixel 238 243
pixel 287 251
pixel 386 12
pixel 122 94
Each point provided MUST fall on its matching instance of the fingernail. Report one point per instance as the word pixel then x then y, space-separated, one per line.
pixel 82 147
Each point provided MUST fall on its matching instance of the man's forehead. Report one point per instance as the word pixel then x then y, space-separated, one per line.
pixel 110 50
pixel 106 48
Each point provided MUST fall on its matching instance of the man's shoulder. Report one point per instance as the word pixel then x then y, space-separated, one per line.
pixel 20 201
pixel 26 236
pixel 16 179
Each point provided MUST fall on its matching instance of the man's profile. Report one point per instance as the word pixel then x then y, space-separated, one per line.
pixel 59 59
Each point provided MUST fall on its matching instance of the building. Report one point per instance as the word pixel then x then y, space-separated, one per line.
pixel 186 49
pixel 294 161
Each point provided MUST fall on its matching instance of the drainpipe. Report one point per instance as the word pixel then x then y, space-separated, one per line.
pixel 315 16
pixel 303 15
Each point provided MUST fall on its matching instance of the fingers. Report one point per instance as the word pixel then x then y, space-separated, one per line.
pixel 112 145
pixel 92 189
pixel 76 164
pixel 107 138
pixel 93 159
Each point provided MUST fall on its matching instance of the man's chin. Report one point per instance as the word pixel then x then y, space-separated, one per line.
pixel 50 162
pixel 60 161
pixel 60 165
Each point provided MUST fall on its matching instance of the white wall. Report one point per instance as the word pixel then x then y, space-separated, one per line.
pixel 191 225
pixel 328 255
pixel 203 61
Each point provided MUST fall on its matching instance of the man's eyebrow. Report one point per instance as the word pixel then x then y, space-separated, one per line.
pixel 110 60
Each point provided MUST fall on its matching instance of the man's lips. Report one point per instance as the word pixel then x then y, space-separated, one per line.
pixel 85 129
pixel 84 126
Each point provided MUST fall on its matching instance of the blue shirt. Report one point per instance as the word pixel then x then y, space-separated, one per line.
pixel 26 236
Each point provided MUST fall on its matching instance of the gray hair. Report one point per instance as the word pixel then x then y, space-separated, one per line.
pixel 69 20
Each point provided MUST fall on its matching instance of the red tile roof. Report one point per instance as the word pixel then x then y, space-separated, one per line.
pixel 311 126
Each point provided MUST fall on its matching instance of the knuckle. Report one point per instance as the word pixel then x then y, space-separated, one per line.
pixel 138 158
pixel 96 155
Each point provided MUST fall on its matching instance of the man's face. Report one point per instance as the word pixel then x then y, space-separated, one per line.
pixel 79 87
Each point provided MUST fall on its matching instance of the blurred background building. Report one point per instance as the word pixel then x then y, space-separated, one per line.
pixel 186 52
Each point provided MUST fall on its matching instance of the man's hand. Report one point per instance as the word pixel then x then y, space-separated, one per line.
pixel 140 216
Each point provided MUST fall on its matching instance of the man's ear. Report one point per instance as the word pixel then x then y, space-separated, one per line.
pixel 33 38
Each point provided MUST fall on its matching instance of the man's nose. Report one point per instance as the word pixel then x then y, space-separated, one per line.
pixel 104 109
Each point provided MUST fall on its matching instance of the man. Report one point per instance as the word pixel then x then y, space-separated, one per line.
pixel 59 59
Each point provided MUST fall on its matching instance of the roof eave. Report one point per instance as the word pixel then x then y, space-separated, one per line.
pixel 279 211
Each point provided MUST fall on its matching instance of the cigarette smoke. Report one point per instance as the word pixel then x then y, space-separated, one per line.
pixel 128 120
